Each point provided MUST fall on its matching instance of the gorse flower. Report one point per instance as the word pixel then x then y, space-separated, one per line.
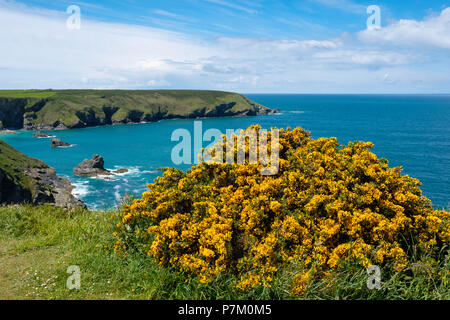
pixel 329 203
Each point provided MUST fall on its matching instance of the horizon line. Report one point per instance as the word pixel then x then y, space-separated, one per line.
pixel 218 90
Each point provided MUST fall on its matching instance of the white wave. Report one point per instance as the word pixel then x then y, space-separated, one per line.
pixel 150 171
pixel 105 177
pixel 297 111
pixel 65 147
pixel 81 189
pixel 132 171
pixel 95 206
pixel 117 193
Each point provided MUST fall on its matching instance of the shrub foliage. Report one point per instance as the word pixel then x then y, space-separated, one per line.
pixel 329 204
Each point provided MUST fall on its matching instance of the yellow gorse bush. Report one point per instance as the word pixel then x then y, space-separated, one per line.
pixel 329 203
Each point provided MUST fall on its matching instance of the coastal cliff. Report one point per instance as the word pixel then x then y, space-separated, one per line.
pixel 67 109
pixel 27 180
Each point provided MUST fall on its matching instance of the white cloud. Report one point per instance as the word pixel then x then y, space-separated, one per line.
pixel 172 15
pixel 434 31
pixel 165 13
pixel 365 57
pixel 344 5
pixel 231 5
pixel 158 83
pixel 262 46
pixel 36 43
pixel 40 52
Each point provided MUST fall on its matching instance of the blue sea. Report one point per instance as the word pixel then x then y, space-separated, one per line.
pixel 412 131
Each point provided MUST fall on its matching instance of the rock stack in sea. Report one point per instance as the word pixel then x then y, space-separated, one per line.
pixel 94 167
pixel 91 167
pixel 59 143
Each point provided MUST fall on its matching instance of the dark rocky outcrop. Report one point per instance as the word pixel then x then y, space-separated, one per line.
pixel 91 167
pixel 39 134
pixel 274 111
pixel 57 143
pixel 95 167
pixel 17 113
pixel 53 189
pixel 109 112
pixel 11 112
pixel 27 180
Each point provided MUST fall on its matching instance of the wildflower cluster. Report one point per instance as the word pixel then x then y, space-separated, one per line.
pixel 328 204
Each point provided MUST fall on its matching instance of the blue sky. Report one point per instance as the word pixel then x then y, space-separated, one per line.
pixel 311 46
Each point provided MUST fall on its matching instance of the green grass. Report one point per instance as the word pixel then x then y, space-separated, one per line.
pixel 38 244
pixel 39 94
pixel 72 107
pixel 13 162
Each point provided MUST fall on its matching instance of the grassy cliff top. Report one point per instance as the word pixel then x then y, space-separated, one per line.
pixel 80 108
pixel 28 180
pixel 13 162
pixel 23 94
pixel 33 93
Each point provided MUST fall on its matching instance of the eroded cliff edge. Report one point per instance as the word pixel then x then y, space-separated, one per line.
pixel 28 180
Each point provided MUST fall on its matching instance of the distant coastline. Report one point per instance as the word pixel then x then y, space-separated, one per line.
pixel 69 109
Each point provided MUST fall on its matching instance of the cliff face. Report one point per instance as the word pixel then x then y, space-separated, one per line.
pixel 27 180
pixel 68 109
pixel 11 112
pixel 15 112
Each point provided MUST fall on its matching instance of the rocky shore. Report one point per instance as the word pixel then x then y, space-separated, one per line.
pixel 52 188
pixel 28 180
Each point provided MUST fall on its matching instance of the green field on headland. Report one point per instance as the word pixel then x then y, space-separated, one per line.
pixel 65 109
pixel 13 164
pixel 40 94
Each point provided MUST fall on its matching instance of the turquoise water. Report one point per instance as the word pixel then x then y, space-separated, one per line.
pixel 409 130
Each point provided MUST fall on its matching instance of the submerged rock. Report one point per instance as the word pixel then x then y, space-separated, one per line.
pixel 59 143
pixel 109 179
pixel 275 111
pixel 39 134
pixel 118 171
pixel 6 131
pixel 91 167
